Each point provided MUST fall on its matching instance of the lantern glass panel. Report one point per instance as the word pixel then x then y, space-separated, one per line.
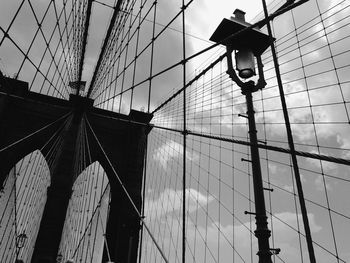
pixel 245 63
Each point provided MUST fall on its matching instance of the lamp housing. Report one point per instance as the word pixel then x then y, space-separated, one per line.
pixel 21 238
pixel 59 258
pixel 245 63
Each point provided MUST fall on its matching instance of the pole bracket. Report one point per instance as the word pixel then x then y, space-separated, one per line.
pixel 243 116
pixel 268 189
pixel 250 213
pixel 275 251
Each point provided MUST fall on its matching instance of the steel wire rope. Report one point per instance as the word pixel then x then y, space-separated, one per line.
pixel 157 23
pixel 144 175
pixel 232 140
pixel 290 93
pixel 288 51
pixel 28 203
pixel 47 42
pixel 213 175
pixel 184 183
pixel 5 32
pixel 125 56
pixel 317 139
pixel 251 201
pixel 81 172
pixel 153 39
pixel 104 46
pixel 312 171
pixel 91 190
pixel 296 28
pixel 32 41
pixel 260 24
pixel 111 39
pixel 197 189
pixel 139 15
pixel 43 56
pixel 88 226
pixel 176 150
pixel 124 188
pixel 31 61
pixel 61 34
pixel 313 202
pixel 115 38
pixel 159 207
pixel 141 83
pixel 36 162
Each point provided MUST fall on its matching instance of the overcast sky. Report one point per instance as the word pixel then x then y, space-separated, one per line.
pixel 317 95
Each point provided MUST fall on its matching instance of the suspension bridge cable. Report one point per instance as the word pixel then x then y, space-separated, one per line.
pixel 124 189
pixel 232 140
pixel 258 24
pixel 33 133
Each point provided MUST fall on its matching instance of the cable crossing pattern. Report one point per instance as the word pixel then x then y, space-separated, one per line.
pixel 197 196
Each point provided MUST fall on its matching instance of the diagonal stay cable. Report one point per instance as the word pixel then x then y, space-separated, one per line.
pixel 30 60
pixel 126 192
pixel 104 46
pixel 231 37
pixel 86 30
pixel 321 157
pixel 202 73
pixel 33 133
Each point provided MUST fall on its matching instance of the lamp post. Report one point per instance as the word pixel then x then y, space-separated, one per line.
pixel 59 258
pixel 248 44
pixel 20 240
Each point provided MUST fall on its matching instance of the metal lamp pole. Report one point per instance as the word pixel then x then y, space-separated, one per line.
pixel 262 232
pixel 247 42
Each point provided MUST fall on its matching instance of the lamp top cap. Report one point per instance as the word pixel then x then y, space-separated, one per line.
pixel 238 34
pixel 239 15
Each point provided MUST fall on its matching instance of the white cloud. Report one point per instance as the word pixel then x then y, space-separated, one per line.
pixel 285 237
pixel 320 184
pixel 170 201
pixel 272 168
pixel 290 188
pixel 170 150
pixel 327 166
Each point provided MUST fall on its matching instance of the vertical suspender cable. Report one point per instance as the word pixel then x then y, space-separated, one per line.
pixel 184 137
pixel 291 143
pixel 143 196
pixel 152 56
pixel 84 41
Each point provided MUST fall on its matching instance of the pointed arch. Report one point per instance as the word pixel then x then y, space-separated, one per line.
pixel 85 224
pixel 22 203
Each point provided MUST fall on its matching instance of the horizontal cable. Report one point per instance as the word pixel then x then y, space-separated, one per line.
pixel 125 191
pixel 241 142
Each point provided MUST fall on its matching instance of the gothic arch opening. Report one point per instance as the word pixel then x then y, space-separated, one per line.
pixel 22 201
pixel 85 224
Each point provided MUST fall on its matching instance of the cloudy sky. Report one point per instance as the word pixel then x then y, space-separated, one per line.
pixel 315 71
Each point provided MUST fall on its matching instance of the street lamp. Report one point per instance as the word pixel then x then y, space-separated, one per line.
pixel 59 258
pixel 20 240
pixel 248 44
